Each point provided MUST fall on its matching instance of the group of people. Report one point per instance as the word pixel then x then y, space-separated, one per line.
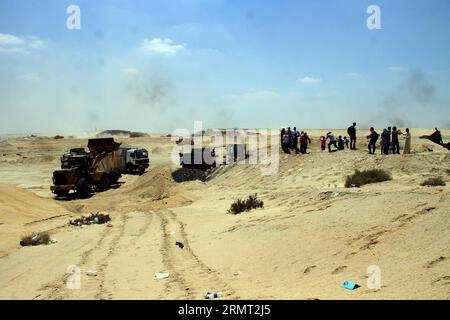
pixel 389 138
pixel 294 140
pixel 299 141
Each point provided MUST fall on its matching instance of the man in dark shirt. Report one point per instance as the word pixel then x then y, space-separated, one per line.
pixel 395 143
pixel 352 133
pixel 373 136
pixel 388 139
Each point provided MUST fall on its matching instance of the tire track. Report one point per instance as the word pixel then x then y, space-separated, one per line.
pixel 95 258
pixel 191 276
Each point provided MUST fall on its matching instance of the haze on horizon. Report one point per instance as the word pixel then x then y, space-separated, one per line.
pixel 155 66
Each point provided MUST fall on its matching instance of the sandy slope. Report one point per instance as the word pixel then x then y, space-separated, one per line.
pixel 312 234
pixel 17 219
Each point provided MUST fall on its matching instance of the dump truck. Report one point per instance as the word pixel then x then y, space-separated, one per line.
pixel 198 158
pixel 83 172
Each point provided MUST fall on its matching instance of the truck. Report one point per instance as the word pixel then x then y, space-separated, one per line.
pixel 85 171
pixel 134 160
pixel 198 158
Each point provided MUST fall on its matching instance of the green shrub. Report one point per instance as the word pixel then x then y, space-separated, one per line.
pixel 433 182
pixel 360 178
pixel 246 205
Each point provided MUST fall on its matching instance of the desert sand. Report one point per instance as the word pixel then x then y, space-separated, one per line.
pixel 311 235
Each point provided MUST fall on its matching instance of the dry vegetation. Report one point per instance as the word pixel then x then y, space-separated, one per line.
pixel 360 178
pixel 433 182
pixel 240 205
pixel 35 239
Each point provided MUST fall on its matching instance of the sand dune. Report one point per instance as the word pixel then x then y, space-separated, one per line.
pixel 21 213
pixel 311 235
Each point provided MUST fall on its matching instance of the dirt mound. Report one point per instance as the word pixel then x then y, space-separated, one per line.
pixel 156 184
pixel 19 211
pixel 16 204
pixel 158 189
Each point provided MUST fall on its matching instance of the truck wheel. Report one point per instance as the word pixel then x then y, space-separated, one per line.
pixel 84 188
pixel 62 194
pixel 114 179
pixel 141 171
pixel 129 167
pixel 105 183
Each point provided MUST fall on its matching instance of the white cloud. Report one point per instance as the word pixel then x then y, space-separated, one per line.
pixel 397 68
pixel 130 71
pixel 29 77
pixel 37 43
pixel 13 44
pixel 355 75
pixel 309 80
pixel 10 40
pixel 19 50
pixel 255 95
pixel 161 46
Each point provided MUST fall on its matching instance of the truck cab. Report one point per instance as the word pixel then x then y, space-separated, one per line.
pixel 136 160
pixel 75 158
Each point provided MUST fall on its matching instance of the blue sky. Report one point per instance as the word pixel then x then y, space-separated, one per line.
pixel 159 65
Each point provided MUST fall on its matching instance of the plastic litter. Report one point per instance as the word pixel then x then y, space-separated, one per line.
pixel 213 295
pixel 350 285
pixel 161 275
pixel 179 244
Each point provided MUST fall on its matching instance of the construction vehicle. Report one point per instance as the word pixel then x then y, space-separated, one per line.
pixel 198 158
pixel 84 171
pixel 73 157
pixel 134 160
pixel 237 152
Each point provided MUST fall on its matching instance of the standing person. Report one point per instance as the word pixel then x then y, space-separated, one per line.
pixel 346 142
pixel 304 140
pixel 373 137
pixel 323 143
pixel 389 133
pixel 283 131
pixel 385 140
pixel 340 143
pixel 295 136
pixel 286 143
pixel 352 133
pixel 289 132
pixel 395 143
pixel 407 149
pixel 332 141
